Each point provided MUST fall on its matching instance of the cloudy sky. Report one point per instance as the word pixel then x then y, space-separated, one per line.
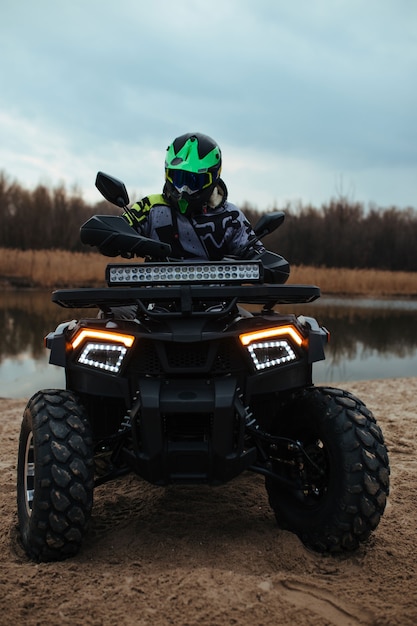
pixel 308 99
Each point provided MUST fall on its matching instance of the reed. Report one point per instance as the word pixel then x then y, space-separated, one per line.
pixel 52 269
pixel 358 282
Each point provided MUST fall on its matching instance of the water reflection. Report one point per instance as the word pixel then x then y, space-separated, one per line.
pixel 26 317
pixel 369 339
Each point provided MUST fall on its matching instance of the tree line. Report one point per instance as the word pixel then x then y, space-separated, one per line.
pixel 340 233
pixel 43 218
pixel 347 234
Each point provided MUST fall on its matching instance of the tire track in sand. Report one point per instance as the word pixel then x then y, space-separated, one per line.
pixel 324 604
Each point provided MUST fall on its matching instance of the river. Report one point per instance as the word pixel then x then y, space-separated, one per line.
pixel 370 339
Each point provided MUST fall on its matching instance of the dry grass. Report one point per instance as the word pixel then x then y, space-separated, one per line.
pixel 361 282
pixel 51 269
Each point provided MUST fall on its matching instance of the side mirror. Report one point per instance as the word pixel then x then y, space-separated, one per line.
pixel 112 189
pixel 268 223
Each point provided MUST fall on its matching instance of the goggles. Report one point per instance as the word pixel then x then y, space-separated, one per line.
pixel 189 182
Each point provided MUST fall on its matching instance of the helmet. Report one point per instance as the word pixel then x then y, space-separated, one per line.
pixel 192 168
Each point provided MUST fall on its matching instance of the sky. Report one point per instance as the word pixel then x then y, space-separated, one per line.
pixel 309 100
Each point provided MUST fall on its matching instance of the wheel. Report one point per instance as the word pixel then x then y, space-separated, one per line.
pixel 341 476
pixel 54 475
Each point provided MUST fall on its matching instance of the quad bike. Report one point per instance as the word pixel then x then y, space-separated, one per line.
pixel 204 381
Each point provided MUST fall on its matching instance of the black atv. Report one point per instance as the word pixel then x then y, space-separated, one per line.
pixel 189 375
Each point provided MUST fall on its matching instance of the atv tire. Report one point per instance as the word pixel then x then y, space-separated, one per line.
pixel 54 475
pixel 343 477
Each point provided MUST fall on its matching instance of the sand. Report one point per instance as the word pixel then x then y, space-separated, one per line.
pixel 215 556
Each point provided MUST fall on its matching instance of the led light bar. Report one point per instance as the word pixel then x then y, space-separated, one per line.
pixel 267 354
pixel 268 333
pixel 198 272
pixel 90 333
pixel 104 356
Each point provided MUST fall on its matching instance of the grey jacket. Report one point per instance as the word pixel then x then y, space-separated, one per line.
pixel 220 230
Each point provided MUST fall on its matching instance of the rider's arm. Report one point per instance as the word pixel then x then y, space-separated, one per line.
pixel 139 211
pixel 243 242
pixel 246 245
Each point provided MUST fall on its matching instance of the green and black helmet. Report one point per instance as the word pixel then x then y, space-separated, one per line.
pixel 192 167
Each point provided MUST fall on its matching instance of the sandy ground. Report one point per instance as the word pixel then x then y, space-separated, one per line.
pixel 214 556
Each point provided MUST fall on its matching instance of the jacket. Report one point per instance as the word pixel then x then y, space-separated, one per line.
pixel 220 229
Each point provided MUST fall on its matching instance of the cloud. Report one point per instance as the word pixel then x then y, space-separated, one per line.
pixel 314 90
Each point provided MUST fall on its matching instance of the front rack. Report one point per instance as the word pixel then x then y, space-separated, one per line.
pixel 186 295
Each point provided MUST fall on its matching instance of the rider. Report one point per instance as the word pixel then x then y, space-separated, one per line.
pixel 193 213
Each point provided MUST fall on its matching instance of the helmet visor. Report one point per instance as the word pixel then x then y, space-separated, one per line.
pixel 189 182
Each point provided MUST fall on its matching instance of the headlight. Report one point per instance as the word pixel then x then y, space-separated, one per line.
pixel 103 356
pixel 271 353
pixel 107 350
pixel 272 347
